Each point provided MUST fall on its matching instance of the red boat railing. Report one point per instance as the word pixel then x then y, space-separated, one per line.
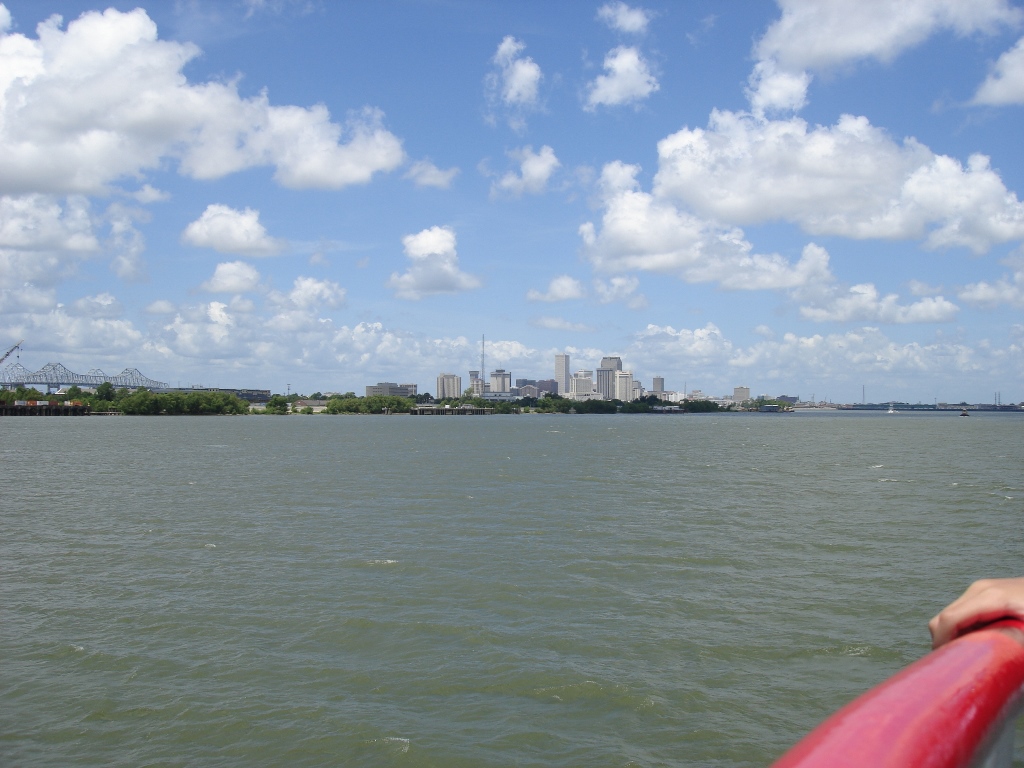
pixel 953 708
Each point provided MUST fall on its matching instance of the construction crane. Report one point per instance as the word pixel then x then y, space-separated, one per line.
pixel 9 351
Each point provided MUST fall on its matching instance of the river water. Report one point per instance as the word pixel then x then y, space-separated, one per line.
pixel 694 590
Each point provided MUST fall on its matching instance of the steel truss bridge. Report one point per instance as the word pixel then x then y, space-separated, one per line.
pixel 55 375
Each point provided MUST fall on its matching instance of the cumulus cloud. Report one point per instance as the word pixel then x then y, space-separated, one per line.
pixel 106 99
pixel 1008 289
pixel 228 230
pixel 43 241
pixel 621 289
pixel 232 277
pixel 849 179
pixel 161 307
pixel 424 173
pixel 126 242
pixel 819 35
pixel 1005 83
pixel 38 222
pixel 535 169
pixel 100 305
pixel 514 82
pixel 308 292
pixel 773 90
pixel 868 351
pixel 26 299
pixel 862 303
pixel 434 268
pixel 627 80
pixel 641 231
pixel 624 18
pixel 561 288
pixel 560 324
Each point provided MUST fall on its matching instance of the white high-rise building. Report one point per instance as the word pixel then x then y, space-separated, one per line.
pixel 448 385
pixel 501 381
pixel 624 386
pixel 740 394
pixel 582 383
pixel 562 373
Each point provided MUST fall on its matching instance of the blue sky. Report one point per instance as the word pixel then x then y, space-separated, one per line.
pixel 803 197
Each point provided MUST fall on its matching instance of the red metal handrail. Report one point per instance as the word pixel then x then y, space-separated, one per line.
pixel 946 710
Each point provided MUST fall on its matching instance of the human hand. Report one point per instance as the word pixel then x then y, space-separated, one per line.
pixel 984 601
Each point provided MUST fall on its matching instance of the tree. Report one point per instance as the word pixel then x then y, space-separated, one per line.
pixel 277 405
pixel 105 391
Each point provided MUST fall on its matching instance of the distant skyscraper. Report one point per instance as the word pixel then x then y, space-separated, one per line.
pixel 582 383
pixel 624 386
pixel 448 385
pixel 605 382
pixel 562 373
pixel 740 394
pixel 501 380
pixel 615 363
pixel 659 384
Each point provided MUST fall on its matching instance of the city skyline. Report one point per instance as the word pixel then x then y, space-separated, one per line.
pixel 319 196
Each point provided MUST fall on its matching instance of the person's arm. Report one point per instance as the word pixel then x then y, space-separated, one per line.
pixel 983 602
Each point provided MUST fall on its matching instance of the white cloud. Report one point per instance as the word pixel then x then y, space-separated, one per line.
pixel 560 324
pixel 561 288
pixel 919 288
pixel 149 194
pixel 106 99
pixel 627 80
pixel 850 179
pixel 770 89
pixel 126 242
pixel 37 222
pixel 862 303
pixel 434 268
pixel 26 299
pixel 228 230
pixel 102 305
pixel 624 18
pixel 424 173
pixel 621 289
pixel 161 307
pixel 535 169
pixel 1008 289
pixel 839 358
pixel 232 277
pixel 812 34
pixel 520 75
pixel 1005 83
pixel 42 241
pixel 815 36
pixel 640 231
pixel 308 292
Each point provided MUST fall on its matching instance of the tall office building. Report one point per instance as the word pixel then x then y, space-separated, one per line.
pixel 624 386
pixel 659 385
pixel 615 363
pixel 448 385
pixel 501 381
pixel 605 382
pixel 740 394
pixel 562 373
pixel 582 383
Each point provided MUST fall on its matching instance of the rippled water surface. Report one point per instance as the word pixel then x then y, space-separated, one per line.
pixel 488 591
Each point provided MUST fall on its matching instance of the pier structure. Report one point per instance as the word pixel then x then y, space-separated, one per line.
pixel 440 410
